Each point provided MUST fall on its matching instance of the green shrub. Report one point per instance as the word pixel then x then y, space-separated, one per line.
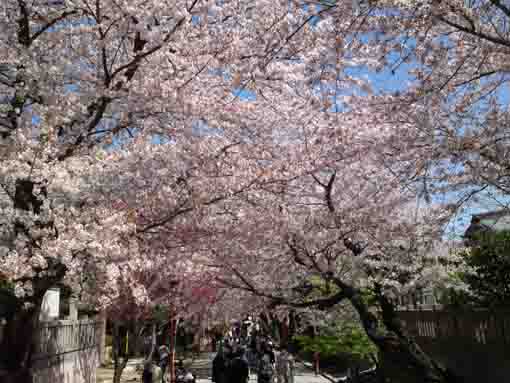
pixel 347 341
pixel 489 260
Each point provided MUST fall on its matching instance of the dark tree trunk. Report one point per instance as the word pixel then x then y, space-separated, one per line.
pixel 119 362
pixel 171 349
pixel 20 333
pixel 153 343
pixel 19 338
pixel 402 359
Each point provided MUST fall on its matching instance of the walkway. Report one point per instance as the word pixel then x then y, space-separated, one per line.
pixel 201 368
pixel 105 374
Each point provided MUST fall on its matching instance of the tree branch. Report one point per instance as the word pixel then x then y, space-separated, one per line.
pixel 473 32
pixel 322 303
pixel 329 189
pixel 132 66
pixel 501 6
pixel 179 212
pixel 51 23
pixel 97 109
pixel 24 24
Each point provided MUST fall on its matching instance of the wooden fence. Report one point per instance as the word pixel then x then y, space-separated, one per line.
pixel 66 336
pixel 480 327
pixel 475 344
pixel 66 351
pixel 63 337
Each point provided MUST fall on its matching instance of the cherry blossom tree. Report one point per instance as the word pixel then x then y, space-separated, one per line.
pixel 127 139
pixel 146 287
pixel 73 81
pixel 349 225
pixel 450 120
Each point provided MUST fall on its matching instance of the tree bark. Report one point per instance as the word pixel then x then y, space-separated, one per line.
pixel 16 349
pixel 19 339
pixel 118 363
pixel 171 348
pixel 153 343
pixel 402 359
pixel 20 332
pixel 102 339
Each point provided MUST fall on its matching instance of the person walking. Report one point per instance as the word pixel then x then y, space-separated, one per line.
pixel 280 367
pixel 269 347
pixel 265 371
pixel 284 367
pixel 164 356
pixel 147 345
pixel 219 367
pixel 148 372
pixel 316 359
pixel 239 370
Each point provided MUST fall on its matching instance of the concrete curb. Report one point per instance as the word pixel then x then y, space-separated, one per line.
pixel 326 376
pixel 332 378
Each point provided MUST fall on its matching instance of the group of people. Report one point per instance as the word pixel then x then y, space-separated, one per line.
pixel 152 374
pixel 149 370
pixel 231 364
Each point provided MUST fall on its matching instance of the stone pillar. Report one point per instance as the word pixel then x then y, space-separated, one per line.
pixel 73 310
pixel 50 305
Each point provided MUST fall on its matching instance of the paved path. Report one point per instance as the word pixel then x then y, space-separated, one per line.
pixel 105 374
pixel 202 368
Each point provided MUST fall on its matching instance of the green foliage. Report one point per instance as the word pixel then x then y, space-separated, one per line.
pixel 369 297
pixel 489 261
pixel 8 301
pixel 6 286
pixel 19 101
pixel 160 314
pixel 452 298
pixel 347 339
pixel 320 288
pixel 327 345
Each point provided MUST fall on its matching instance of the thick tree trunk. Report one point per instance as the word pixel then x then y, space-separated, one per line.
pixel 119 363
pixel 19 338
pixel 21 329
pixel 402 359
pixel 171 348
pixel 153 343
pixel 102 339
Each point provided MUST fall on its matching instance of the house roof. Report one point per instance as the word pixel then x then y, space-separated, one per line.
pixel 489 221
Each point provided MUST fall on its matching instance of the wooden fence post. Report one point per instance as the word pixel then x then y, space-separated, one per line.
pixel 102 338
